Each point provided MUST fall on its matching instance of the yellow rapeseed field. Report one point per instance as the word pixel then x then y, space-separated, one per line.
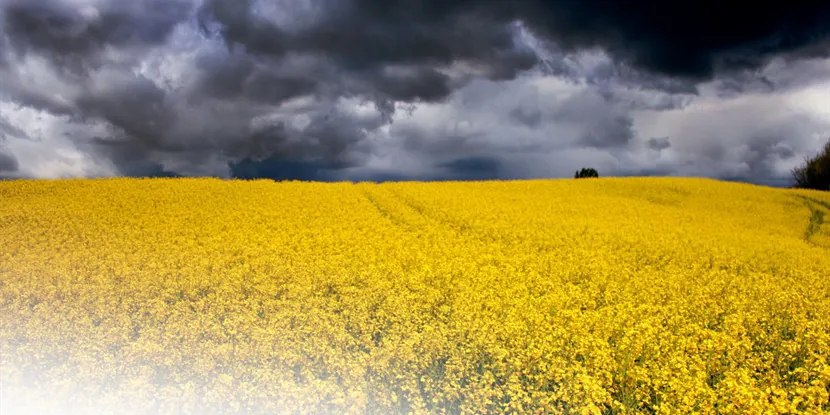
pixel 596 296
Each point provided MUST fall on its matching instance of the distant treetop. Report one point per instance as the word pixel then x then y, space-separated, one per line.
pixel 585 173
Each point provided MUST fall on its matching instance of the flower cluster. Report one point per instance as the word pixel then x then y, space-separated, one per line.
pixel 607 296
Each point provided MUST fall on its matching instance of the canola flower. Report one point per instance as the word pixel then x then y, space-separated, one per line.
pixel 604 296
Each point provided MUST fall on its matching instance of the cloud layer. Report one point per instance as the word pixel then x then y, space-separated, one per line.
pixel 403 89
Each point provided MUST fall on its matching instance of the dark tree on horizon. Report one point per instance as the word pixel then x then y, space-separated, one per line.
pixel 586 173
pixel 815 172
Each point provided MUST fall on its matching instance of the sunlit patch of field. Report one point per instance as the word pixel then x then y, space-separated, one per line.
pixel 595 296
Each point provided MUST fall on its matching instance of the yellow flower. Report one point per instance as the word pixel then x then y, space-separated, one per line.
pixel 647 295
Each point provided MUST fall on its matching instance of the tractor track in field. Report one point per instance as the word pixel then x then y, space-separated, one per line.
pixel 408 203
pixel 446 220
pixel 819 209
pixel 386 213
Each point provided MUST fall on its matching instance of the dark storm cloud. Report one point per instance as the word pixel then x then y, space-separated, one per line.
pixel 693 39
pixel 425 84
pixel 608 72
pixel 135 105
pixel 464 168
pixel 336 139
pixel 232 87
pixel 472 168
pixel 238 76
pixel 361 36
pixel 282 169
pixel 73 37
pixel 367 38
pixel 227 91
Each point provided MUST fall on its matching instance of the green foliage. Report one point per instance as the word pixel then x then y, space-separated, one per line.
pixel 586 173
pixel 815 172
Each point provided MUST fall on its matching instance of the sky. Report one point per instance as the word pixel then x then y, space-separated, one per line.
pixel 381 90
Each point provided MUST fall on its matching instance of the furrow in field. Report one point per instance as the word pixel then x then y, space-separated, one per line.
pixel 813 234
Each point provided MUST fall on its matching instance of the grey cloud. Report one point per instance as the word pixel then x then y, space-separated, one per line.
pixel 203 128
pixel 272 88
pixel 651 171
pixel 737 85
pixel 469 168
pixel 473 168
pixel 283 169
pixel 235 76
pixel 665 38
pixel 528 115
pixel 763 152
pixel 538 129
pixel 30 97
pixel 222 76
pixel 732 141
pixel 4 60
pixel 314 89
pixel 490 127
pixel 135 105
pixel 366 40
pixel 361 37
pixel 781 75
pixel 607 126
pixel 9 130
pixel 660 38
pixel 339 139
pixel 597 68
pixel 610 132
pixel 619 84
pixel 790 74
pixel 8 162
pixel 146 169
pixel 419 141
pixel 418 84
pixel 225 92
pixel 55 27
pixel 606 71
pixel 658 144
